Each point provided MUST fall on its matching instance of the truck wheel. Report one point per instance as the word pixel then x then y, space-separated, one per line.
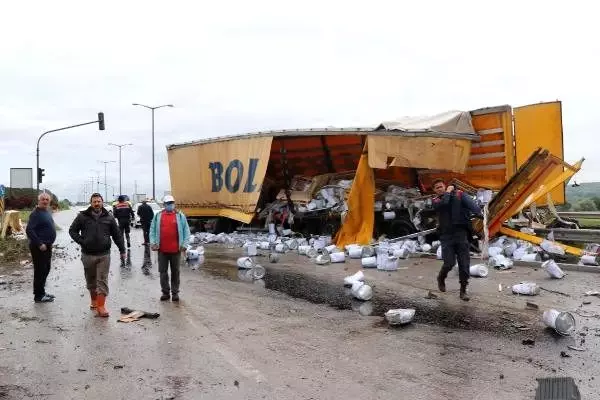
pixel 401 227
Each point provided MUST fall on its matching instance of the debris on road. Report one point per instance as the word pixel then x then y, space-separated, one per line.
pixel 528 342
pixel 134 315
pixel 400 316
pixel 526 288
pixel 576 348
pixel 553 269
pixel 555 292
pixel 532 305
pixel 564 354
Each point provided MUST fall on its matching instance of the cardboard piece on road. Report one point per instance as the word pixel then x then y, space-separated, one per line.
pixel 135 315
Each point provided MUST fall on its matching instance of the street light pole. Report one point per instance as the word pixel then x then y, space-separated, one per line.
pixel 105 187
pixel 100 122
pixel 153 167
pixel 120 146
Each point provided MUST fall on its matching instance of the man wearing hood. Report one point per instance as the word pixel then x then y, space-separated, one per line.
pixel 92 229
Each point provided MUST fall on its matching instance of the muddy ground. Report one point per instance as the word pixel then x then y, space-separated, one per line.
pixel 231 339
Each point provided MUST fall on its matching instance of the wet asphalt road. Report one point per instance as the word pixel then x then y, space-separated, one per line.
pixel 237 340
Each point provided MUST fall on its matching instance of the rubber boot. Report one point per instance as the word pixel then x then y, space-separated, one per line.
pixel 463 292
pixel 101 300
pixel 94 300
pixel 441 283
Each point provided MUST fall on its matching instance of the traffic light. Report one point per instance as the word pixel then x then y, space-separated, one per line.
pixel 40 174
pixel 101 121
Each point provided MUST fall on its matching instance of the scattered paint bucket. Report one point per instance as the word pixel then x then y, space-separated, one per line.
pixel 251 249
pixel 362 291
pixel 426 248
pixel 531 257
pixel 389 263
pixel 355 252
pixel 400 316
pixel 478 270
pixel 561 322
pixel 281 248
pixel 553 269
pixel 401 253
pixel 303 250
pixel 258 271
pixel 273 257
pixel 331 248
pixel 312 253
pixel 338 257
pixel 323 259
pixel 358 276
pixel 589 260
pixel 526 288
pixel 192 254
pixel 245 262
pixel 389 215
pixel 367 251
pixel 369 262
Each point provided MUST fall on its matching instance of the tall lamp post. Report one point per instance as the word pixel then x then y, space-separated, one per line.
pixel 153 168
pixel 105 190
pixel 40 172
pixel 120 146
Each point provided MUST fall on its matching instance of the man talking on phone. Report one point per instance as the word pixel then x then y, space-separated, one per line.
pixel 454 210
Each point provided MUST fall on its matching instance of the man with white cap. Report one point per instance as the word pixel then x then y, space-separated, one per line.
pixel 169 235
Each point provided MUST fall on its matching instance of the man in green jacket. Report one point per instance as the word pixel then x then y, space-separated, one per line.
pixel 169 235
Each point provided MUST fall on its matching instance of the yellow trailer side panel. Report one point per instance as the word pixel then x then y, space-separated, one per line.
pixel 540 125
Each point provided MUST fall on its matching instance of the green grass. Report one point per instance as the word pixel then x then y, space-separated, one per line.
pixel 12 251
pixel 589 223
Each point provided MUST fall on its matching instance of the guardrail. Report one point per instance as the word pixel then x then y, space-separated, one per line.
pixel 579 214
pixel 572 235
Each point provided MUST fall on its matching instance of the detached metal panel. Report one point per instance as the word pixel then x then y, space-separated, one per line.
pixel 540 125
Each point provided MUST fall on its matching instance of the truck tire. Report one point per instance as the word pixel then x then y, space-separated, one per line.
pixel 401 226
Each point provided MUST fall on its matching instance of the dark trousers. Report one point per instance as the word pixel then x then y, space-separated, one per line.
pixel 125 229
pixel 41 269
pixel 455 248
pixel 164 261
pixel 146 229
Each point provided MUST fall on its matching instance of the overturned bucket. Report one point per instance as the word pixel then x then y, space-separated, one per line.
pixel 369 262
pixel 338 257
pixel 355 252
pixel 553 269
pixel 561 322
pixel 478 270
pixel 400 316
pixel 526 288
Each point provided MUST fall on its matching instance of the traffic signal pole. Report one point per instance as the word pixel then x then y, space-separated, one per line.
pixel 40 173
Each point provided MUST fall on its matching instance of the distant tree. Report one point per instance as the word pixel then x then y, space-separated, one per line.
pixel 566 207
pixel 596 201
pixel 586 205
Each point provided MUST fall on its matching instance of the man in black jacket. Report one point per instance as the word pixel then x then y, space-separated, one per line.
pixel 454 209
pixel 42 234
pixel 123 212
pixel 92 230
pixel 146 213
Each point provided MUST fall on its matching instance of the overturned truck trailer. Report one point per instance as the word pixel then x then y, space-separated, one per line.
pixel 301 179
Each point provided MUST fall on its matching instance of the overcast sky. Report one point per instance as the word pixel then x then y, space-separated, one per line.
pixel 239 66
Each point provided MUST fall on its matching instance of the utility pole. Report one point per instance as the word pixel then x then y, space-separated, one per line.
pixel 153 168
pixel 39 171
pixel 105 186
pixel 120 146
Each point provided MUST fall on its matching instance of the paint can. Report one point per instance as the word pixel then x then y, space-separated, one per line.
pixel 531 257
pixel 358 276
pixel 338 257
pixel 355 252
pixel 369 262
pixel 245 262
pixel 478 270
pixel 561 322
pixel 526 288
pixel 400 316
pixel 553 269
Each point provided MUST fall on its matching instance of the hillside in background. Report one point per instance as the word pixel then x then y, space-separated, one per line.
pixel 585 191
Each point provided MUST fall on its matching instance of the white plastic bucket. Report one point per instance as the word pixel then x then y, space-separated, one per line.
pixel 192 254
pixel 323 259
pixel 303 250
pixel 389 215
pixel 362 291
pixel 281 248
pixel 273 257
pixel 494 251
pixel 561 322
pixel 553 269
pixel 526 288
pixel 319 244
pixel 330 248
pixel 400 316
pixel 401 253
pixel 367 251
pixel 312 253
pixel 251 250
pixel 389 263
pixel 272 229
pixel 358 276
pixel 355 252
pixel 426 248
pixel 338 257
pixel 589 259
pixel 369 262
pixel 531 257
pixel 478 270
pixel 264 245
pixel 439 253
pixel 245 262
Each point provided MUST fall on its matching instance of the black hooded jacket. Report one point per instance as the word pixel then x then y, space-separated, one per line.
pixel 93 233
pixel 454 212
